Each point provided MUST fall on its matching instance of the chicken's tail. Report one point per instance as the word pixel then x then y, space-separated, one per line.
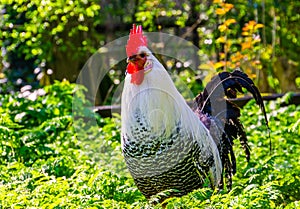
pixel 215 109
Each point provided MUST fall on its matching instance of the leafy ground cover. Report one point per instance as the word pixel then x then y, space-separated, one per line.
pixel 53 158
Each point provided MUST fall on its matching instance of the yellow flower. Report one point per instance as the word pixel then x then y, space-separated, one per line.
pixel 246 45
pixel 236 57
pixel 222 28
pixel 221 39
pixel 220 11
pixel 225 8
pixel 229 22
pixel 218 1
pixel 228 6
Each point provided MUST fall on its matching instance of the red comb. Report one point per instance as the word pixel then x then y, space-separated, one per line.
pixel 136 39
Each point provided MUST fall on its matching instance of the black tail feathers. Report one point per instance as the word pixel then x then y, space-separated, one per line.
pixel 213 103
pixel 227 84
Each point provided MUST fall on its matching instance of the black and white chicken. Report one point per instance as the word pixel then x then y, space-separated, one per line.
pixel 169 146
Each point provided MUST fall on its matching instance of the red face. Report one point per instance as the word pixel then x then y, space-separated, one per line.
pixel 135 67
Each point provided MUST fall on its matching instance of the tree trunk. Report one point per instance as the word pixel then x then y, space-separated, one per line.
pixel 286 71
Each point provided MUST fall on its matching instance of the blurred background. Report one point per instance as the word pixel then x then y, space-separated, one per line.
pixel 44 41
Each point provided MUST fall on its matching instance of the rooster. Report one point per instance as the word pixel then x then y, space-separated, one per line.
pixel 168 146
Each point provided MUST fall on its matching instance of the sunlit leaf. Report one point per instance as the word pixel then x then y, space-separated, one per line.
pixel 245 33
pixel 206 66
pixel 219 65
pixel 258 26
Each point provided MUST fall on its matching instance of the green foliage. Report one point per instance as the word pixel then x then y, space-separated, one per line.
pixel 188 84
pixel 57 20
pixel 43 41
pixel 33 123
pixel 51 159
pixel 39 37
pixel 148 12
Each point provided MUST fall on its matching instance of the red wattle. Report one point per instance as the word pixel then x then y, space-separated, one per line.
pixel 132 68
pixel 137 75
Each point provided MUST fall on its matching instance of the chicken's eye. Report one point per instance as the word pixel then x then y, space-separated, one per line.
pixel 142 55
